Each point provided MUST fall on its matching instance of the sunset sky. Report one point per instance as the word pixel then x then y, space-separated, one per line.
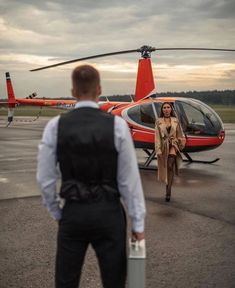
pixel 37 33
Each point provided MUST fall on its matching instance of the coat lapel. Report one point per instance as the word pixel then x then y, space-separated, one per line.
pixel 163 126
pixel 173 127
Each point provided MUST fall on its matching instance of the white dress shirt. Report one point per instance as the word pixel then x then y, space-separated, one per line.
pixel 128 178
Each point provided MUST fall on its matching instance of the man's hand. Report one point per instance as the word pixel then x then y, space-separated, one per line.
pixel 137 236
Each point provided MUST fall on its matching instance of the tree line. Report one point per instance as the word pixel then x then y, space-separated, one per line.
pixel 224 97
pixel 219 97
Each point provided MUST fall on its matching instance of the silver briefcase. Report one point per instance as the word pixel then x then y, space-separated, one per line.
pixel 136 264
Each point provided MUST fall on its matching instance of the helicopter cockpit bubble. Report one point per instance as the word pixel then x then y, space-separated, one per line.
pixel 197 118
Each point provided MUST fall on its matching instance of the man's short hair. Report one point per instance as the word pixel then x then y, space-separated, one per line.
pixel 85 80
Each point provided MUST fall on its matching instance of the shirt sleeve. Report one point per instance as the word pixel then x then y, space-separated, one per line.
pixel 47 172
pixel 129 182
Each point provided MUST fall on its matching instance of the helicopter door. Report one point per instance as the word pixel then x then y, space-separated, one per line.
pixel 149 113
pixel 141 115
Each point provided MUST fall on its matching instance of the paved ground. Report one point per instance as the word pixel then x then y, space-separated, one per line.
pixel 190 241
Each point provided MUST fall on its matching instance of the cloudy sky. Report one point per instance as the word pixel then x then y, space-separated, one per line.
pixel 37 33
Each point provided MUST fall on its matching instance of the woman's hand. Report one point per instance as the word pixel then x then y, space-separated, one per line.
pixel 182 142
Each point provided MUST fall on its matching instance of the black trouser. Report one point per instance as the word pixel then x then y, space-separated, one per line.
pixel 103 225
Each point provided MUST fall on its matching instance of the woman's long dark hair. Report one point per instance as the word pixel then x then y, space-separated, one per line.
pixel 172 110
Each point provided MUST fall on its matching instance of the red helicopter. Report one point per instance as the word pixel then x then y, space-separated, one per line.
pixel 203 128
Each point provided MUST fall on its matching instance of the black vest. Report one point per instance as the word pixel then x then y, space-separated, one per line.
pixel 85 148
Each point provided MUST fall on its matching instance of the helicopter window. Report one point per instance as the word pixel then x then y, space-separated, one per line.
pixel 142 114
pixel 158 106
pixel 197 118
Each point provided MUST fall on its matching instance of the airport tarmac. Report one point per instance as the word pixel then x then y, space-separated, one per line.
pixel 190 241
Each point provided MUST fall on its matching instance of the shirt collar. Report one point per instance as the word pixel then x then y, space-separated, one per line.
pixel 86 103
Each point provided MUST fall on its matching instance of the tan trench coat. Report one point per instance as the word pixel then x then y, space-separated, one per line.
pixel 162 140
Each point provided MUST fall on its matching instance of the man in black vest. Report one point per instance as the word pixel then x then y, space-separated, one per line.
pixel 98 165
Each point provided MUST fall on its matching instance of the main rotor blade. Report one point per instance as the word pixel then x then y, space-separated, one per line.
pixel 203 49
pixel 141 50
pixel 85 58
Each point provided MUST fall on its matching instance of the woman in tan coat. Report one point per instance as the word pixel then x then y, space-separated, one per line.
pixel 169 141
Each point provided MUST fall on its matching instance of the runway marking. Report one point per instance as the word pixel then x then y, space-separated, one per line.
pixel 4 180
pixel 12 159
pixel 18 171
pixel 192 181
pixel 26 157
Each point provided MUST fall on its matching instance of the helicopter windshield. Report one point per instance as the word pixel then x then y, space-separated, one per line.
pixel 197 118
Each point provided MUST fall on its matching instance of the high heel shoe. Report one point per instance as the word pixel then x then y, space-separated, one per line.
pixel 168 198
pixel 168 194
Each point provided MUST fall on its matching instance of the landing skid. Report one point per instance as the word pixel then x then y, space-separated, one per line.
pixel 8 123
pixel 152 156
pixel 10 119
pixel 190 160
